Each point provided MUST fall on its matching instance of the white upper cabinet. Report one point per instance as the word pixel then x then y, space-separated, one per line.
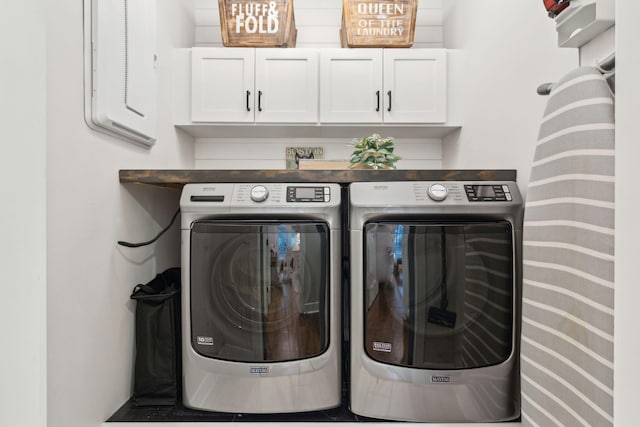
pixel 245 85
pixel 383 86
pixel 415 86
pixel 325 89
pixel 286 83
pixel 222 85
pixel 351 86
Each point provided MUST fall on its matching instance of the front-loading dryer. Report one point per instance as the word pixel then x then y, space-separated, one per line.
pixel 261 318
pixel 435 300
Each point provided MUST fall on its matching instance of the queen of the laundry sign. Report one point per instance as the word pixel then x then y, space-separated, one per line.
pixel 259 23
pixel 381 23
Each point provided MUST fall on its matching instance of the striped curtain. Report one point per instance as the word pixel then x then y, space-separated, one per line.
pixel 568 287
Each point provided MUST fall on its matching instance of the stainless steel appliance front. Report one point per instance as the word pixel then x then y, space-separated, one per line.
pixel 435 300
pixel 261 322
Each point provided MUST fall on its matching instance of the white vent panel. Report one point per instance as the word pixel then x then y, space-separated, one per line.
pixel 123 75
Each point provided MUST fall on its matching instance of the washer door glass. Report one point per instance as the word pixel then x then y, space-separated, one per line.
pixel 439 295
pixel 259 290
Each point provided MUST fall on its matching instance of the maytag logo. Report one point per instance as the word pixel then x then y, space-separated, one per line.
pixel 204 340
pixel 382 346
pixel 381 187
pixel 259 370
pixel 440 379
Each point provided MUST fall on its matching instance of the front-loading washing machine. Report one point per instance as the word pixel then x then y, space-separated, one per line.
pixel 435 300
pixel 261 270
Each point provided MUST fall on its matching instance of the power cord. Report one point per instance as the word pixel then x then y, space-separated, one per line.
pixel 137 245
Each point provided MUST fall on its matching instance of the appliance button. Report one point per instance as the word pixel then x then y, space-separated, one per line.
pixel 259 193
pixel 437 192
pixel 508 196
pixel 505 188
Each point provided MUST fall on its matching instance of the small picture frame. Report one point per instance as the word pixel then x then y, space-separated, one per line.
pixel 294 154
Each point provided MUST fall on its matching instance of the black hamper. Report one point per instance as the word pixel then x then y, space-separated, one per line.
pixel 157 370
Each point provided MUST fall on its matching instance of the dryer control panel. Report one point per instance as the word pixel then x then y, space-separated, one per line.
pixel 298 194
pixel 488 193
pixel 400 194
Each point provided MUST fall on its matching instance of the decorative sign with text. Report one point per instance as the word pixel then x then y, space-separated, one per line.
pixel 378 23
pixel 257 23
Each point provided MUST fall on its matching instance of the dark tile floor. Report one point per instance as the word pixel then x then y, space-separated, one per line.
pixel 178 413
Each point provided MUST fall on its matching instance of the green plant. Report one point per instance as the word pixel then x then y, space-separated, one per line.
pixel 374 152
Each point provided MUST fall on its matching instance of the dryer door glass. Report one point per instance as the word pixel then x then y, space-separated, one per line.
pixel 259 291
pixel 439 295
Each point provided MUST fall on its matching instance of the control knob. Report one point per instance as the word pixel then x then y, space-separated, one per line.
pixel 259 193
pixel 437 192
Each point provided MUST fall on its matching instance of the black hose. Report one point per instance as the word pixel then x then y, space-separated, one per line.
pixel 137 245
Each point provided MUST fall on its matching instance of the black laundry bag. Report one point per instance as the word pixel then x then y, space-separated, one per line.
pixel 157 370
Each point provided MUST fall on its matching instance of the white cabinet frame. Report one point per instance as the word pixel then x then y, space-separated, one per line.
pixel 415 85
pixel 286 85
pixel 383 86
pixel 245 85
pixel 351 86
pixel 222 85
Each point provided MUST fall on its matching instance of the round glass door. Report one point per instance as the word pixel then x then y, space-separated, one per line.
pixel 259 290
pixel 438 295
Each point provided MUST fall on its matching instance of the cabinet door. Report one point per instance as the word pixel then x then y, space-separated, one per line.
pixel 286 85
pixel 222 85
pixel 351 86
pixel 415 85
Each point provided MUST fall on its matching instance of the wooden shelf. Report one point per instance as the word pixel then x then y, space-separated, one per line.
pixel 176 178
pixel 584 20
pixel 253 130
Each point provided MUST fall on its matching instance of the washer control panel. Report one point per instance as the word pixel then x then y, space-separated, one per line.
pixel 437 192
pixel 264 196
pixel 259 193
pixel 488 193
pixel 300 194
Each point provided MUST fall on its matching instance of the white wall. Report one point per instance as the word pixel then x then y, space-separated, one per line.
pixel 90 278
pixel 627 345
pixel 269 153
pixel 22 254
pixel 510 48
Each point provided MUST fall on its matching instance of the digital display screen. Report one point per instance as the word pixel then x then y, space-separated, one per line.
pixel 486 191
pixel 305 193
